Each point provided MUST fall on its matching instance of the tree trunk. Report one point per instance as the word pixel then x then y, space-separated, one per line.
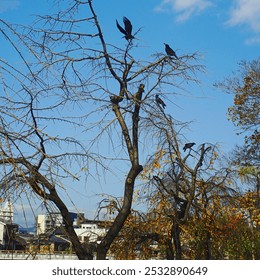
pixel 176 240
pixel 81 252
pixel 169 250
pixel 119 221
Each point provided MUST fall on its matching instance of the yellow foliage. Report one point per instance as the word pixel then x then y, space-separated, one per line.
pixel 154 165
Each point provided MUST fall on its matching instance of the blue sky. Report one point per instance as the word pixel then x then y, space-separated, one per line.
pixel 224 32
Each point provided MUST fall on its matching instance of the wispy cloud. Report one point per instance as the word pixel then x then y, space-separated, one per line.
pixel 246 12
pixel 253 41
pixel 185 9
pixel 6 5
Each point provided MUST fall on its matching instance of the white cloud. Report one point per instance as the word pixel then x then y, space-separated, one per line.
pixel 8 5
pixel 246 12
pixel 184 8
pixel 253 41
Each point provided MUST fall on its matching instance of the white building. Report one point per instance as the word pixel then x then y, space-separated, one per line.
pixel 2 232
pixel 7 235
pixel 90 231
pixel 86 230
pixel 6 216
pixel 46 222
pixel 6 213
pixel 51 221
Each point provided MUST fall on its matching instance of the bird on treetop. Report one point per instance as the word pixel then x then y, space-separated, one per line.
pixel 188 146
pixel 159 101
pixel 127 31
pixel 169 51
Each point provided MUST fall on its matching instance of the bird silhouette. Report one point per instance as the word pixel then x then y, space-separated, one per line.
pixel 159 101
pixel 188 146
pixel 169 51
pixel 127 31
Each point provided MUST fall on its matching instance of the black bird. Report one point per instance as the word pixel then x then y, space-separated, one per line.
pixel 159 101
pixel 127 31
pixel 188 146
pixel 169 51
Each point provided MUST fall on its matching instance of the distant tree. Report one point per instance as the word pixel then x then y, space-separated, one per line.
pixel 74 78
pixel 245 85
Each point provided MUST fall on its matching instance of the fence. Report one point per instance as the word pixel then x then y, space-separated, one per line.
pixel 23 255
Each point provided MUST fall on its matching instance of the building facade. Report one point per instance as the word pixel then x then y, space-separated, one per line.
pixel 6 213
pixel 48 222
pixel 90 231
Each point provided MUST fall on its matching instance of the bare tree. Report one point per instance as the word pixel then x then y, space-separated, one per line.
pixel 33 159
pixel 74 65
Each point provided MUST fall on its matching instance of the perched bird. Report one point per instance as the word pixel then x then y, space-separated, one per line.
pixel 169 51
pixel 159 101
pixel 188 146
pixel 127 31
